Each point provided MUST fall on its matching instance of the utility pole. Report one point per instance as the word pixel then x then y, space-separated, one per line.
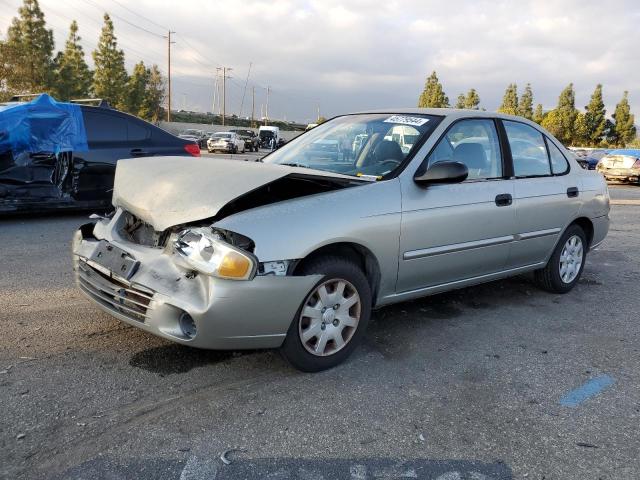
pixel 169 42
pixel 318 117
pixel 215 93
pixel 244 92
pixel 253 106
pixel 224 92
pixel 266 111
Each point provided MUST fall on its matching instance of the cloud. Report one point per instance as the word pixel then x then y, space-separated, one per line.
pixel 368 54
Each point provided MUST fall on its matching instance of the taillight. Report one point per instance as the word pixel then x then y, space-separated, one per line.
pixel 636 164
pixel 192 149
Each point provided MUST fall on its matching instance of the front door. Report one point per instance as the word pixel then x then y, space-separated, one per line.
pixel 458 231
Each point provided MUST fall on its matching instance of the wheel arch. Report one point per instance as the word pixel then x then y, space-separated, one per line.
pixel 364 258
pixel 587 226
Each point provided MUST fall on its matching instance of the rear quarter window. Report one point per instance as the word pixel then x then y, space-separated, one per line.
pixel 559 163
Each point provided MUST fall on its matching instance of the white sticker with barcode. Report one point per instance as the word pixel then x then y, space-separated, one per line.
pixel 406 120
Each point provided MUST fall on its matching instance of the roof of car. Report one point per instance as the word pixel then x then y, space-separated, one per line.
pixel 447 112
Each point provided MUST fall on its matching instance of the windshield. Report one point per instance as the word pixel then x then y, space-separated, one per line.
pixel 222 135
pixel 358 145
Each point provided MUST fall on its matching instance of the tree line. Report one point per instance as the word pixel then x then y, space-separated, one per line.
pixel 28 65
pixel 571 126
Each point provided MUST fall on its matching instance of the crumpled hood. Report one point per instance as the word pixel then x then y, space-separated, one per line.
pixel 167 191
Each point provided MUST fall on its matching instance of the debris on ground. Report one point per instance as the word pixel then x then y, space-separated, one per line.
pixel 224 457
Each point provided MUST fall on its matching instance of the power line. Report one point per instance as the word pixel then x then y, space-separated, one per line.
pixel 126 21
pixel 139 15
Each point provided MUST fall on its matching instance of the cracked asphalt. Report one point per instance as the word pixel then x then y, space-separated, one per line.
pixel 463 385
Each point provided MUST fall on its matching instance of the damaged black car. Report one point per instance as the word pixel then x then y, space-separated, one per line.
pixel 56 155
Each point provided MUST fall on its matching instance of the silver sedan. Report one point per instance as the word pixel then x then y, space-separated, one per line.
pixel 294 251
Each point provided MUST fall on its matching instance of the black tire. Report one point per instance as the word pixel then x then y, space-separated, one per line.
pixel 548 278
pixel 331 267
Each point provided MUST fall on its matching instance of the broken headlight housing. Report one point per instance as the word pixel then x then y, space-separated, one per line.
pixel 208 253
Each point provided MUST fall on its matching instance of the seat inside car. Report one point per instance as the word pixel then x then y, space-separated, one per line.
pixel 473 156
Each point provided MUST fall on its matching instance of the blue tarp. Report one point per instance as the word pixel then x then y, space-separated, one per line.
pixel 42 125
pixel 633 152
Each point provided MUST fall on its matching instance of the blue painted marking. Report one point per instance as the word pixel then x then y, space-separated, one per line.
pixel 589 389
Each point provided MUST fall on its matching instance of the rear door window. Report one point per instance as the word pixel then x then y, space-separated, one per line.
pixel 109 127
pixel 528 150
pixel 104 127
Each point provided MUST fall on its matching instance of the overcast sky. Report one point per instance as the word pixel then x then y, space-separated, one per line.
pixel 363 54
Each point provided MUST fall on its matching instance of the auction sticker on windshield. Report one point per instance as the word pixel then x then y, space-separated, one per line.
pixel 403 119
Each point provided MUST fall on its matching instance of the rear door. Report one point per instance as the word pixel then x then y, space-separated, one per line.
pixel 546 198
pixel 458 231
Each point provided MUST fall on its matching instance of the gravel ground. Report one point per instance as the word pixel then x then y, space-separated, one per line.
pixel 464 385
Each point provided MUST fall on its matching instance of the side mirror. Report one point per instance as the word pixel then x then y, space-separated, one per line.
pixel 443 172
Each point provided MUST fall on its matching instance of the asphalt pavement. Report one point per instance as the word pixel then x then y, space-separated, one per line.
pixel 496 381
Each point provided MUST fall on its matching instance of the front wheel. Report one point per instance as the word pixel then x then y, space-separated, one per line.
pixel 332 318
pixel 566 263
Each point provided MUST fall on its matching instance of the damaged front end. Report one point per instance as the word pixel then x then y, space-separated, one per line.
pixel 189 285
pixel 163 263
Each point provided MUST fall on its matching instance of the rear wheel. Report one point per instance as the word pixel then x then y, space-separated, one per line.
pixel 333 317
pixel 566 264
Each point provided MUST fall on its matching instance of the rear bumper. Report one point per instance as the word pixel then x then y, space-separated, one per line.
pixel 621 174
pixel 220 148
pixel 228 314
pixel 600 230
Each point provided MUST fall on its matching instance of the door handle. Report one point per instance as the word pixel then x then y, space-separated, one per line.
pixel 504 200
pixel 572 192
pixel 138 152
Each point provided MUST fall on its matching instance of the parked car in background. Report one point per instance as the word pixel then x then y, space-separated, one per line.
pixel 269 136
pixel 621 165
pixel 294 254
pixel 249 137
pixel 198 136
pixel 588 158
pixel 49 180
pixel 229 142
pixel 323 149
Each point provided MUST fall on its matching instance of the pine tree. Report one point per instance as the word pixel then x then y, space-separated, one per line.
pixel 510 100
pixel 595 118
pixel 110 75
pixel 611 138
pixel 538 114
pixel 460 103
pixel 136 88
pixel 26 54
pixel 72 75
pixel 151 108
pixel 552 121
pixel 433 95
pixel 625 130
pixel 525 106
pixel 566 115
pixel 472 100
pixel 580 130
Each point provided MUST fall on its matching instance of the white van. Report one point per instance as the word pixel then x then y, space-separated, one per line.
pixel 269 136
